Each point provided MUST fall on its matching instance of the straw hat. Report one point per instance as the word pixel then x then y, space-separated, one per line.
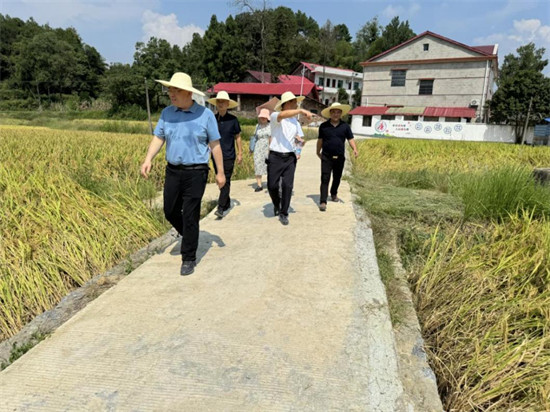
pixel 222 95
pixel 264 113
pixel 287 96
pixel 181 81
pixel 344 107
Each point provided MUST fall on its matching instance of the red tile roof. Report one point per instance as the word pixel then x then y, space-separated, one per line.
pixel 485 49
pixel 264 89
pixel 369 110
pixel 428 111
pixel 286 78
pixel 266 77
pixel 450 112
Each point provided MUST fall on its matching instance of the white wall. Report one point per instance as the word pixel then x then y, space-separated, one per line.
pixel 419 129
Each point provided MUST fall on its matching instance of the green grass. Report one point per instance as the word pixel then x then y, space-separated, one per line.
pixel 473 233
pixel 497 193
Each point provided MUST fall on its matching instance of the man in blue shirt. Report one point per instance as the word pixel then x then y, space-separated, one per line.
pixel 331 149
pixel 190 132
pixel 230 132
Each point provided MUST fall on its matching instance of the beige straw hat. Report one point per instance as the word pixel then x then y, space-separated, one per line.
pixel 287 96
pixel 222 95
pixel 344 107
pixel 181 81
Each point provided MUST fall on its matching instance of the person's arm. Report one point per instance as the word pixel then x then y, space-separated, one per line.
pixel 319 147
pixel 239 148
pixel 285 114
pixel 154 147
pixel 354 147
pixel 351 141
pixel 218 159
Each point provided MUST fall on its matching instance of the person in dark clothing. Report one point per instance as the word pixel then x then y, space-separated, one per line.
pixel 230 132
pixel 331 150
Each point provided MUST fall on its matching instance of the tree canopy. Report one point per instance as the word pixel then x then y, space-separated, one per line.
pixel 45 64
pixel 521 84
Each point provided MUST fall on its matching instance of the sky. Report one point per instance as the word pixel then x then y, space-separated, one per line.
pixel 114 26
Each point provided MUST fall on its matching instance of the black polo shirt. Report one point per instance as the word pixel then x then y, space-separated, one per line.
pixel 334 138
pixel 229 127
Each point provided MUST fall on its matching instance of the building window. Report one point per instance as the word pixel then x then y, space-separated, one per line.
pixel 367 121
pixel 320 81
pixel 388 117
pixel 426 46
pixel 410 118
pixel 452 119
pixel 327 83
pixel 340 83
pixel 333 82
pixel 398 77
pixel 426 86
pixel 431 119
pixel 326 102
pixel 355 85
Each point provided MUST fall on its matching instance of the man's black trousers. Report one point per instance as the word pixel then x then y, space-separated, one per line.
pixel 183 191
pixel 224 201
pixel 281 166
pixel 334 165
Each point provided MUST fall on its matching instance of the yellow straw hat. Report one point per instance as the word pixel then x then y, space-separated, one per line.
pixel 181 81
pixel 339 106
pixel 222 95
pixel 287 96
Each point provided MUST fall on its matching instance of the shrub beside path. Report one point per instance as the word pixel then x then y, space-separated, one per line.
pixel 289 318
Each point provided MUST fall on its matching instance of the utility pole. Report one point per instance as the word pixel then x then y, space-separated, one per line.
pixel 148 108
pixel 302 84
pixel 526 121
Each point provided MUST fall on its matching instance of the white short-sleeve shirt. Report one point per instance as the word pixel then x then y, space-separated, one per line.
pixel 283 133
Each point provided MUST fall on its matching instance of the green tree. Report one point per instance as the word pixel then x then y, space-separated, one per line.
pixel 393 34
pixel 343 96
pixel 123 86
pixel 365 37
pixel 46 65
pixel 521 83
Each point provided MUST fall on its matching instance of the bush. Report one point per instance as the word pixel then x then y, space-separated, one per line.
pixel 133 112
pixel 495 194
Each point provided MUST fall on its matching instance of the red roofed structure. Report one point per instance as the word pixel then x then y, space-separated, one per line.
pixel 251 95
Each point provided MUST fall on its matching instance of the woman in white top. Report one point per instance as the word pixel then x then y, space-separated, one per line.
pixel 282 156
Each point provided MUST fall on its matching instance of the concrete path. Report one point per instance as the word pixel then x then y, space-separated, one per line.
pixel 274 318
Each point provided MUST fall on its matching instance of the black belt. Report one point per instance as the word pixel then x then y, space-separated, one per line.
pixel 281 154
pixel 333 157
pixel 200 166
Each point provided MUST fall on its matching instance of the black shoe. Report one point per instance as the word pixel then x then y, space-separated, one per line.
pixel 283 219
pixel 258 189
pixel 275 210
pixel 219 213
pixel 187 267
pixel 323 207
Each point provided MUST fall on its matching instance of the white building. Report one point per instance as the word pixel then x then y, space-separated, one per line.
pixel 329 80
pixel 427 87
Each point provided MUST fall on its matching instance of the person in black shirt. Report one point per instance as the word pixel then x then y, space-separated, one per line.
pixel 230 132
pixel 331 150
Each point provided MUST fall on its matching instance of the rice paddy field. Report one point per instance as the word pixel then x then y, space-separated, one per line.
pixel 72 205
pixel 473 232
